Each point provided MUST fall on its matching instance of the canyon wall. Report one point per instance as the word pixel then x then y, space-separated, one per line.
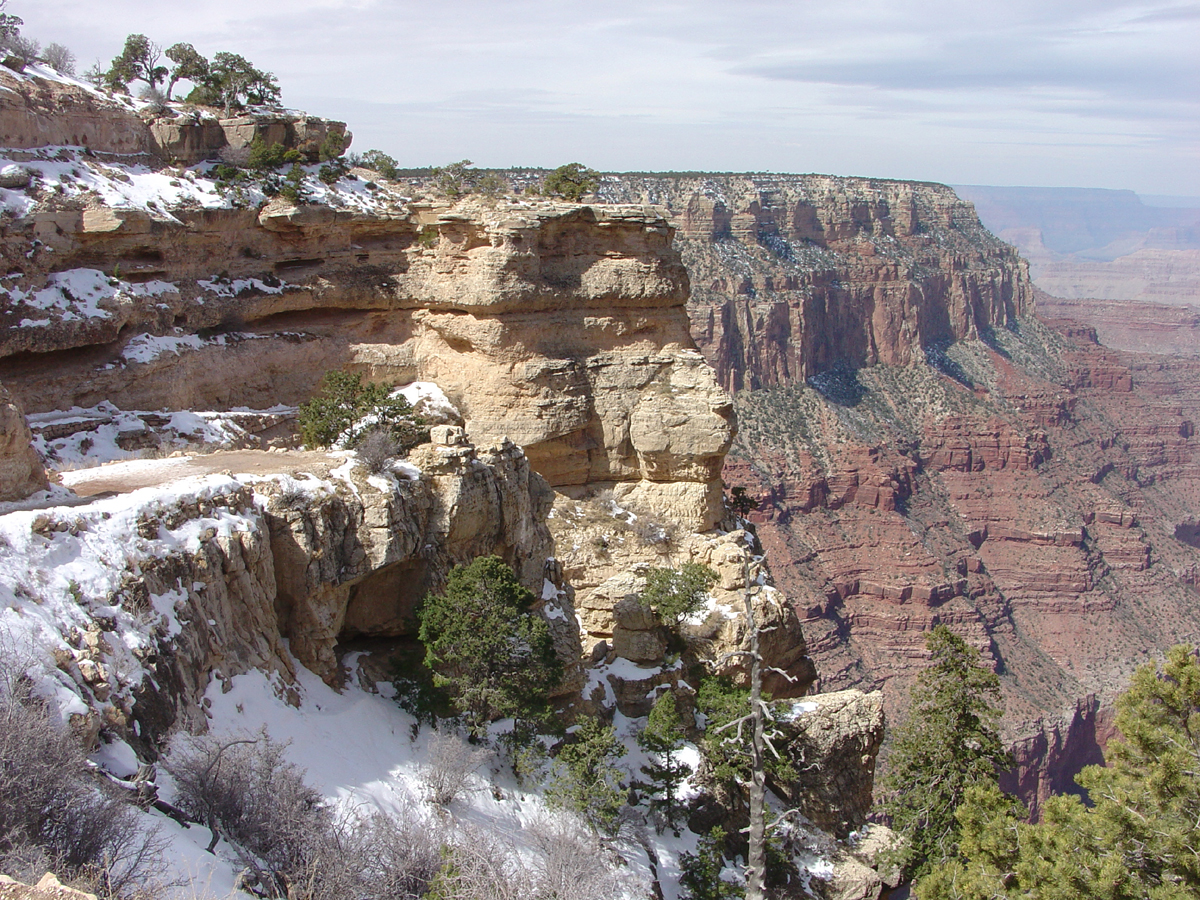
pixel 795 274
pixel 925 450
pixel 560 327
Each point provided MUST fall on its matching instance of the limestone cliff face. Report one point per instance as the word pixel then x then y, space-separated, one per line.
pixel 219 575
pixel 796 274
pixel 21 472
pixel 561 327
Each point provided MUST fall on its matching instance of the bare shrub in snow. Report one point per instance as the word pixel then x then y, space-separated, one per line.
pixel 59 58
pixel 53 814
pixel 654 534
pixel 156 100
pixel 452 762
pixel 479 866
pixel 373 856
pixel 238 157
pixel 574 865
pixel 243 790
pixel 25 50
pixel 377 450
pixel 287 840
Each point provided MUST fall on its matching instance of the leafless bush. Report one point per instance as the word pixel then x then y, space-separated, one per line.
pixel 156 99
pixel 287 840
pixel 452 762
pixel 479 866
pixel 24 49
pixel 575 865
pixel 59 58
pixel 369 856
pixel 53 814
pixel 238 157
pixel 243 790
pixel 654 534
pixel 377 450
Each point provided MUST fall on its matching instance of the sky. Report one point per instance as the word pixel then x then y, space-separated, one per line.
pixel 1070 93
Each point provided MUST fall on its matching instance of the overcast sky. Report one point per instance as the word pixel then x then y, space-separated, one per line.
pixel 1086 93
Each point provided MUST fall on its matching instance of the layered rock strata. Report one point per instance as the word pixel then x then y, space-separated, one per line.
pixel 795 274
pixel 562 328
pixel 925 451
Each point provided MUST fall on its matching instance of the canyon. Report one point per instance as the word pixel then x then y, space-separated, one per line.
pixel 150 313
pixel 860 354
pixel 926 448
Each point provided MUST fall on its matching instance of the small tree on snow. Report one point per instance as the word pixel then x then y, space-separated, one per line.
pixel 677 593
pixel 59 58
pixel 486 647
pixel 586 778
pixel 663 739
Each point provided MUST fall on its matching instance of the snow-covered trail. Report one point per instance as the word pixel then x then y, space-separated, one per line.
pixel 131 475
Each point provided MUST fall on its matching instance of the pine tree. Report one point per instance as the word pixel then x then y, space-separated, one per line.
pixel 701 871
pixel 948 743
pixel 1137 838
pixel 586 778
pixel 663 739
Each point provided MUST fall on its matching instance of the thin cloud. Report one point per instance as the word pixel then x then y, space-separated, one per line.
pixel 1101 92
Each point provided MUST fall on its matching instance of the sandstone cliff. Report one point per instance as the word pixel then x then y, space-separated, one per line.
pixel 563 328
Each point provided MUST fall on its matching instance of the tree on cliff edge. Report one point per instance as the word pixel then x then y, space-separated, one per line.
pixel 1136 839
pixel 947 745
pixel 571 181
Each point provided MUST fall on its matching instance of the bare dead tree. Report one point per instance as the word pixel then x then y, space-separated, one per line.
pixel 757 718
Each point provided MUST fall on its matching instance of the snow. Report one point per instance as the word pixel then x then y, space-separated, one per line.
pixel 145 348
pixel 160 468
pixel 117 759
pixel 76 294
pixel 794 711
pixel 63 567
pixel 357 747
pixel 94 438
pixel 235 288
pixel 66 172
pixel 429 400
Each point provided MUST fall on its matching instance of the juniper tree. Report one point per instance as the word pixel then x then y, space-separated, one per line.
pixel 676 593
pixel 138 61
pixel 486 647
pixel 586 779
pixel 382 163
pixel 233 81
pixel 571 181
pixel 189 66
pixel 347 411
